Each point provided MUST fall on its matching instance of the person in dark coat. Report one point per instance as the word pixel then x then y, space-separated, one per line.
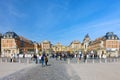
pixel 46 60
pixel 42 60
pixel 35 58
pixel 85 57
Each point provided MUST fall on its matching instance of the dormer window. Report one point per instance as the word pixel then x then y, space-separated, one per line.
pixel 11 36
pixel 8 36
pixel 112 37
pixel 5 36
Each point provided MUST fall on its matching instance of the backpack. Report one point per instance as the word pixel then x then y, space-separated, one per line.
pixel 46 59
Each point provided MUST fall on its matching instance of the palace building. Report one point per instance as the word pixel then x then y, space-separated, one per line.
pixel 26 46
pixel 75 46
pixel 46 46
pixel 58 47
pixel 85 43
pixel 108 44
pixel 11 43
pixel 0 42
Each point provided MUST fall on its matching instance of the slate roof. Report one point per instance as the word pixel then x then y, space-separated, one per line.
pixel 111 36
pixel 10 35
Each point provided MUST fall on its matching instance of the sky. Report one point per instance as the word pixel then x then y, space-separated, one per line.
pixel 60 20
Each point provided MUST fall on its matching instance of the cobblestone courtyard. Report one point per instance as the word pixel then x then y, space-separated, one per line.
pixel 58 70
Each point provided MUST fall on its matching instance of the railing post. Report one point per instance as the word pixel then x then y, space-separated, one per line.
pixel 1 60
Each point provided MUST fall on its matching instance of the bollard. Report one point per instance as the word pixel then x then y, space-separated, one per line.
pixel 27 61
pixel 93 61
pixel 78 61
pixel 19 61
pixel 117 60
pixel 68 61
pixel 6 60
pixel 111 60
pixel 114 60
pixel 1 60
pixel 86 61
pixel 105 60
pixel 100 60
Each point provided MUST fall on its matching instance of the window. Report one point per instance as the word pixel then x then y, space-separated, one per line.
pixel 6 41
pixel 11 36
pixel 4 36
pixel 112 37
pixel 112 42
pixel 3 45
pixel 112 46
pixel 7 36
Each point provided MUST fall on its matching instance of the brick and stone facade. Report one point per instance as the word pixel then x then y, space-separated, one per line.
pixel 108 44
pixel 75 46
pixel 46 46
pixel 11 43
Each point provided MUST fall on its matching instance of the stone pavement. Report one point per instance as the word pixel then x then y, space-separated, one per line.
pixel 9 68
pixel 58 70
pixel 106 71
pixel 54 71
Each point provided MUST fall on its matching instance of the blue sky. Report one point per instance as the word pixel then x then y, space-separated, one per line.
pixel 60 20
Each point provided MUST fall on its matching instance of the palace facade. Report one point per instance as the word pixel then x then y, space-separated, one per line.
pixel 108 44
pixel 46 46
pixel 75 46
pixel 0 42
pixel 12 43
pixel 58 47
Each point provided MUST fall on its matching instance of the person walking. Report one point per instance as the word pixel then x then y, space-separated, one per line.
pixel 39 58
pixel 11 58
pixel 42 60
pixel 35 58
pixel 85 57
pixel 46 60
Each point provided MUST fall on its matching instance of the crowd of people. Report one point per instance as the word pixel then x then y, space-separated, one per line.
pixel 43 58
pixel 65 55
pixel 40 58
pixel 80 55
